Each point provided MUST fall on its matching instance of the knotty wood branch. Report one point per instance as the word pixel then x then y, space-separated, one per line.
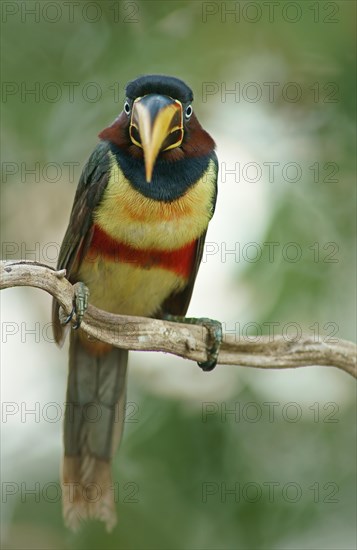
pixel 188 341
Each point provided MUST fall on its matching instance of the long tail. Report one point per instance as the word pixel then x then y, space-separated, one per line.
pixel 95 410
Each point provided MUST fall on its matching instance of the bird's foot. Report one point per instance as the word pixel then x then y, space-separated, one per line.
pixel 215 337
pixel 80 304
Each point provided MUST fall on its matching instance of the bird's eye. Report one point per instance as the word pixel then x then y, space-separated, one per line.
pixel 188 111
pixel 127 108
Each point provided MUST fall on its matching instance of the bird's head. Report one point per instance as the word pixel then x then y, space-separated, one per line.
pixel 158 120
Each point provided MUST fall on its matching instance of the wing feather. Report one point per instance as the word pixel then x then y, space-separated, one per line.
pixel 93 181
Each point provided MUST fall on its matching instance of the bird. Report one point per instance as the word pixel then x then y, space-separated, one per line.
pixel 133 246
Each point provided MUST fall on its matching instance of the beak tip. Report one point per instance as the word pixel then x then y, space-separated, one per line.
pixel 148 176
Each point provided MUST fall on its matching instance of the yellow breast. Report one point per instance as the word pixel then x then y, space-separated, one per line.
pixel 127 289
pixel 141 222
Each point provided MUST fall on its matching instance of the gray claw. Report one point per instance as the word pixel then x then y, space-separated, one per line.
pixel 69 318
pixel 80 305
pixel 215 335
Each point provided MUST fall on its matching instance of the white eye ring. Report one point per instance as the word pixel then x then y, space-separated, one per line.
pixel 127 108
pixel 188 111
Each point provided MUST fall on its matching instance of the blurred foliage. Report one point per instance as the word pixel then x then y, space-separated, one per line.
pixel 170 454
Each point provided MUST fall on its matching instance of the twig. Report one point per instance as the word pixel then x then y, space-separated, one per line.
pixel 188 341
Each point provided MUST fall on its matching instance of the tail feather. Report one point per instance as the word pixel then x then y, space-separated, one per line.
pixel 94 418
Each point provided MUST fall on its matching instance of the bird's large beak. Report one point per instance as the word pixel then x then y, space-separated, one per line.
pixel 156 125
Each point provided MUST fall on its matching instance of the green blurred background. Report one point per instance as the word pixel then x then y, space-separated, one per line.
pixel 189 475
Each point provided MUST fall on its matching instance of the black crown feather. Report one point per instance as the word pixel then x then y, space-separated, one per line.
pixel 159 84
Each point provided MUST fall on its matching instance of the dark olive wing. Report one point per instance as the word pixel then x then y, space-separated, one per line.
pixel 92 183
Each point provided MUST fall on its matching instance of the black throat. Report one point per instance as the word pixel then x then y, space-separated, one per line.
pixel 171 179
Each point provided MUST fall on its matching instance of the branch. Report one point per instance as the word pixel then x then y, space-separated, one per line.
pixel 188 341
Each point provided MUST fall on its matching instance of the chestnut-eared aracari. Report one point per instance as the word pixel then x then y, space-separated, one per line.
pixel 135 240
